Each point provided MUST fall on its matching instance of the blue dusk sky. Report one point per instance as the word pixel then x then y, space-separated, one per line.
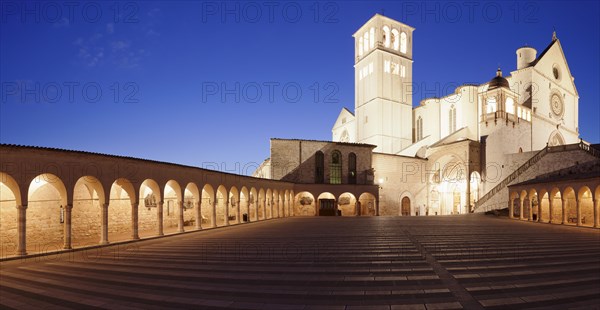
pixel 209 83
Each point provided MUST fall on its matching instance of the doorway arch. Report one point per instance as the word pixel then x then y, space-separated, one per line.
pixel 405 206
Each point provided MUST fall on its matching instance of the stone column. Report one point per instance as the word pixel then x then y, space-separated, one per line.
pixel 67 227
pixel 550 202
pixel 564 208
pixel 578 210
pixel 104 224
pixel 468 188
pixel 227 212
pixel 521 216
pixel 135 235
pixel 214 212
pixel 511 208
pixel 159 216
pixel 264 209
pixel 239 211
pixel 198 207
pixel 596 206
pixel 539 210
pixel 530 207
pixel 21 230
pixel 180 223
pixel 377 207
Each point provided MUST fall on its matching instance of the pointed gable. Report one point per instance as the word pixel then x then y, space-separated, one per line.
pixel 344 117
pixel 552 61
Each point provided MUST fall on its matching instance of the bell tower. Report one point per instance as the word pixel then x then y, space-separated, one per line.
pixel 383 84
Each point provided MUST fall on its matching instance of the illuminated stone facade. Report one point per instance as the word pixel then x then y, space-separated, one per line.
pixel 452 155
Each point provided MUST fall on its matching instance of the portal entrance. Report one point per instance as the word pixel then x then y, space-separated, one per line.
pixel 405 206
pixel 456 202
pixel 327 207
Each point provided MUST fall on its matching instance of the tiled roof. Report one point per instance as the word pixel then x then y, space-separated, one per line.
pixel 342 143
pixel 53 149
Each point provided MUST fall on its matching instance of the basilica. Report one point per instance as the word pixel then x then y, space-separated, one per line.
pixel 451 155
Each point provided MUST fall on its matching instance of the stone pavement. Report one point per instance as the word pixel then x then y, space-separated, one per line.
pixel 445 262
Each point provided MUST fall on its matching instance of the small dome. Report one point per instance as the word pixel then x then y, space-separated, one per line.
pixel 498 81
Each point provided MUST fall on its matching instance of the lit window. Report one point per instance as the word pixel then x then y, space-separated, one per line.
pixel 510 106
pixel 372 39
pixel 335 168
pixel 386 66
pixel 386 36
pixel 491 105
pixel 403 42
pixel 360 46
pixel 395 68
pixel 402 71
pixel 395 39
pixel 366 42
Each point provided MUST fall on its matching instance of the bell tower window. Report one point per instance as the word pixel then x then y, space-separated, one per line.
pixel 403 42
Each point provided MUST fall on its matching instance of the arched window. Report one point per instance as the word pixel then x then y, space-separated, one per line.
pixel 366 42
pixel 335 168
pixel 510 106
pixel 491 105
pixel 403 42
pixel 352 168
pixel 319 167
pixel 386 36
pixel 360 46
pixel 452 120
pixel 372 38
pixel 419 135
pixel 395 39
pixel 556 139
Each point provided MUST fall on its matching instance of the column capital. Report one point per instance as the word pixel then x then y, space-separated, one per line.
pixel 135 204
pixel 68 207
pixel 21 207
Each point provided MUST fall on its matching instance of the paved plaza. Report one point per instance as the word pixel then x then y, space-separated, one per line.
pixel 445 262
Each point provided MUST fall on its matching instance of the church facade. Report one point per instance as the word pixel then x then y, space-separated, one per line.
pixel 451 155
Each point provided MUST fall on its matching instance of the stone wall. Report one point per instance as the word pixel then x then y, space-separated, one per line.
pixel 8 225
pixel 44 227
pixel 119 219
pixel 294 160
pixel 552 161
pixel 400 176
